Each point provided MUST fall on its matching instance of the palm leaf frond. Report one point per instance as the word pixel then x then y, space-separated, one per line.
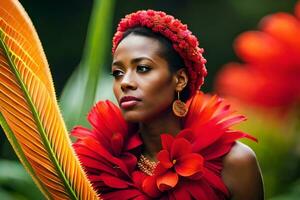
pixel 30 115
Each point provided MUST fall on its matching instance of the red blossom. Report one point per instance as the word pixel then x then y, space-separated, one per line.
pixel 177 153
pixel 269 75
pixel 176 159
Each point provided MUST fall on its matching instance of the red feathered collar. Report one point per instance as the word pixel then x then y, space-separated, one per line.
pixel 190 164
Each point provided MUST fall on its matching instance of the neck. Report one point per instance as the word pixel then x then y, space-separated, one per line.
pixel 151 131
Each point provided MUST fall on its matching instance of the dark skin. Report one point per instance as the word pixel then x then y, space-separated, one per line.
pixel 141 72
pixel 241 174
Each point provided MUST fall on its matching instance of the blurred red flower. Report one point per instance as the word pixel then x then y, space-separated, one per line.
pixel 270 74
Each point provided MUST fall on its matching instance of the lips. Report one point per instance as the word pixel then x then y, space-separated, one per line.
pixel 128 102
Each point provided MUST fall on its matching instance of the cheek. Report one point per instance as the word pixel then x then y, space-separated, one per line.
pixel 159 87
pixel 159 95
pixel 162 99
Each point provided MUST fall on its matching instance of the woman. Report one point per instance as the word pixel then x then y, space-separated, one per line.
pixel 167 140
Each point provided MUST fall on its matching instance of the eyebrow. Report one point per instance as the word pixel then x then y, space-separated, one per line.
pixel 135 60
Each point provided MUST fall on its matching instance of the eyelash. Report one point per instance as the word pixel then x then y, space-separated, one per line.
pixel 140 68
pixel 116 73
pixel 145 67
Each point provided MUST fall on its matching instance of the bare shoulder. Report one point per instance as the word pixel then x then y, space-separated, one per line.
pixel 241 173
pixel 240 155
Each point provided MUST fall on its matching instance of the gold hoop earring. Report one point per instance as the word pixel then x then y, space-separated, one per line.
pixel 179 107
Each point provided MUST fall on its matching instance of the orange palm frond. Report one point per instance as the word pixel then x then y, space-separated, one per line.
pixel 29 113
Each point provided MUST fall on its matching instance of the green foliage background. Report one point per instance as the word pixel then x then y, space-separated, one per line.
pixel 76 36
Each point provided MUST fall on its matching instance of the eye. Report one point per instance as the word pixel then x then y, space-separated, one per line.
pixel 143 68
pixel 117 73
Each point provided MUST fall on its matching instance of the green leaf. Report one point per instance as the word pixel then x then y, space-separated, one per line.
pixel 79 94
pixel 15 183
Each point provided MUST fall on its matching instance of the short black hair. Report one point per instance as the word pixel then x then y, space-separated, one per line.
pixel 174 60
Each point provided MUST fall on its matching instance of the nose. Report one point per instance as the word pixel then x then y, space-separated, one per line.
pixel 128 82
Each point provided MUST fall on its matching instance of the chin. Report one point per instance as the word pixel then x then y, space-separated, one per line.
pixel 131 116
pixel 134 116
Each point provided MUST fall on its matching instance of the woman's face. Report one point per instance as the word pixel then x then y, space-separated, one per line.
pixel 144 86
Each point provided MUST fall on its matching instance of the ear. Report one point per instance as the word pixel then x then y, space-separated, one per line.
pixel 181 79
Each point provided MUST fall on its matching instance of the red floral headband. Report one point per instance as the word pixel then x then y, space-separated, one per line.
pixel 183 41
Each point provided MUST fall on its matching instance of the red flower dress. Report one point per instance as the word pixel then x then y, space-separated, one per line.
pixel 189 164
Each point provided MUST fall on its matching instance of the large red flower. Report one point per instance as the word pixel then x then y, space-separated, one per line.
pixel 189 165
pixel 176 159
pixel 269 76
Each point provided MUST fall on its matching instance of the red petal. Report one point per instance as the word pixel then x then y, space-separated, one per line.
pixel 265 90
pixel 179 148
pixel 130 161
pixel 210 107
pixel 92 145
pixel 117 140
pixel 195 104
pixel 233 73
pixel 122 194
pixel 189 164
pixel 181 192
pixel 160 169
pixel 285 28
pixel 167 181
pixel 141 197
pixel 224 144
pixel 203 108
pixel 138 177
pixel 215 181
pixel 81 149
pixel 166 141
pixel 202 191
pixel 96 165
pixel 133 141
pixel 113 181
pixel 254 47
pixel 232 121
pixel 81 132
pixel 164 158
pixel 101 151
pixel 149 187
pixel 212 134
pixel 107 119
pixel 187 134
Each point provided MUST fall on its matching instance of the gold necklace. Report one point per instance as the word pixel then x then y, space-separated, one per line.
pixel 146 165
